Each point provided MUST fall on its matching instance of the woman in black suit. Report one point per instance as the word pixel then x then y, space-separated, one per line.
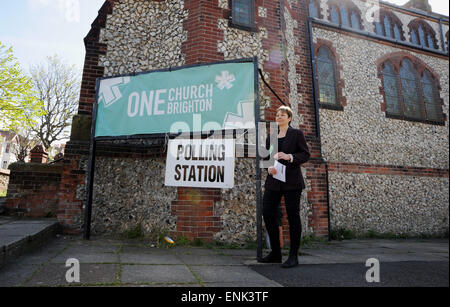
pixel 292 152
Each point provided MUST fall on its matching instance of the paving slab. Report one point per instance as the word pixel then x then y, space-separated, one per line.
pixel 156 274
pixel 90 274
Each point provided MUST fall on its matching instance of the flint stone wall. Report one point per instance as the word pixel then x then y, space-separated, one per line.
pixel 362 134
pixel 145 35
pixel 389 204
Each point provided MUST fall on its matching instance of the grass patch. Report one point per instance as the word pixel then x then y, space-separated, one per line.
pixel 136 232
pixel 2 193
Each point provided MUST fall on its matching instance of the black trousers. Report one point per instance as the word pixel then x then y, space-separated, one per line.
pixel 271 203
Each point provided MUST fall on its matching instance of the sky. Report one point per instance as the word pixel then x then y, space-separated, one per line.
pixel 40 28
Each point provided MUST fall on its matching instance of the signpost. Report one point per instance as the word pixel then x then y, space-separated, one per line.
pixel 217 97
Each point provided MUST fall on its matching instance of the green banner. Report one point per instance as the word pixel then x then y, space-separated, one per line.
pixel 201 98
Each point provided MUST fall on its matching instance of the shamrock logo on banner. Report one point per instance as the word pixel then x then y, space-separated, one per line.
pixel 225 80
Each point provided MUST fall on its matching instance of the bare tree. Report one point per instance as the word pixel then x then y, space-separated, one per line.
pixel 26 140
pixel 57 86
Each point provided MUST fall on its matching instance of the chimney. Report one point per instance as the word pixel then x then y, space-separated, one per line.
pixel 38 155
pixel 422 5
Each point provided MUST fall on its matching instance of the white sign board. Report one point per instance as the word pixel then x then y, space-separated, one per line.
pixel 207 163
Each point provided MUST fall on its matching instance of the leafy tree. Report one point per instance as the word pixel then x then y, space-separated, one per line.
pixel 57 86
pixel 18 104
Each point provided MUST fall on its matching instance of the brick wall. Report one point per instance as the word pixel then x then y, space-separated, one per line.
pixel 33 189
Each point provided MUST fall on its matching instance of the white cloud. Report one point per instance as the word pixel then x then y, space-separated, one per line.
pixel 68 9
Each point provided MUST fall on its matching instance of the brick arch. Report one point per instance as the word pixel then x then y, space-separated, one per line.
pixel 427 29
pixel 393 19
pixel 338 68
pixel 351 7
pixel 319 9
pixel 420 66
pixel 396 59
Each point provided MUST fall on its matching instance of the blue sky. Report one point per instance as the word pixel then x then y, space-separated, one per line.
pixel 39 28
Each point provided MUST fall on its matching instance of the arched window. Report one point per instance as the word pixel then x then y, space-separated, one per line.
pixel 334 14
pixel 355 19
pixel 345 13
pixel 326 77
pixel 389 25
pixel 431 97
pixel 391 89
pixel 314 9
pixel 422 34
pixel 410 90
pixel 397 32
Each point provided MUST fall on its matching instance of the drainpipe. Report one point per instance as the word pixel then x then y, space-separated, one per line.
pixel 314 83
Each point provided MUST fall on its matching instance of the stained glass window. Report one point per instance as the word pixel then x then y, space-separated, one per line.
pixel 355 21
pixel 326 77
pixel 387 27
pixel 379 28
pixel 391 90
pixel 313 9
pixel 430 41
pixel 344 14
pixel 422 36
pixel 414 37
pixel 433 108
pixel 410 91
pixel 334 14
pixel 409 95
pixel 397 33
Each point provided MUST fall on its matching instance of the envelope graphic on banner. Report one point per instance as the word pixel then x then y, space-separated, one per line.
pixel 109 91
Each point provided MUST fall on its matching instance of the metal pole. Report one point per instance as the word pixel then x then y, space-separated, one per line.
pixel 91 171
pixel 259 237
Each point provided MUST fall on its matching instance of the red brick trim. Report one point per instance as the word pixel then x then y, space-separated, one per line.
pixel 427 29
pixel 388 170
pixel 351 7
pixel 94 49
pixel 393 20
pixel 396 60
pixel 338 68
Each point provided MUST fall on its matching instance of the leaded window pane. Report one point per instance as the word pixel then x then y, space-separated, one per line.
pixel 243 12
pixel 422 36
pixel 355 21
pixel 379 28
pixel 430 97
pixel 410 91
pixel 391 90
pixel 430 41
pixel 414 37
pixel 326 77
pixel 334 14
pixel 313 9
pixel 397 33
pixel 387 26
pixel 344 15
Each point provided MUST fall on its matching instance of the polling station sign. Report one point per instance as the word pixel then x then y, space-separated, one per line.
pixel 207 163
pixel 200 98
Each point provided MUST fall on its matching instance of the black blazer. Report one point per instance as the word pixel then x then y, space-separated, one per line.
pixel 295 144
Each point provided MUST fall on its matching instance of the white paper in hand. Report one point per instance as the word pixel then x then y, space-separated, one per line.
pixel 281 171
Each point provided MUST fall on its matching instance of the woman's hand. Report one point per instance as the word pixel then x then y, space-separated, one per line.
pixel 282 156
pixel 272 170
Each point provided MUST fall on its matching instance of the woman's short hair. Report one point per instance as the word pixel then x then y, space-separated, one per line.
pixel 286 110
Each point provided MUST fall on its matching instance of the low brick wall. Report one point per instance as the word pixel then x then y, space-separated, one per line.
pixel 33 189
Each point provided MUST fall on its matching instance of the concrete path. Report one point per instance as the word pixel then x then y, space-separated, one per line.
pixel 37 258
